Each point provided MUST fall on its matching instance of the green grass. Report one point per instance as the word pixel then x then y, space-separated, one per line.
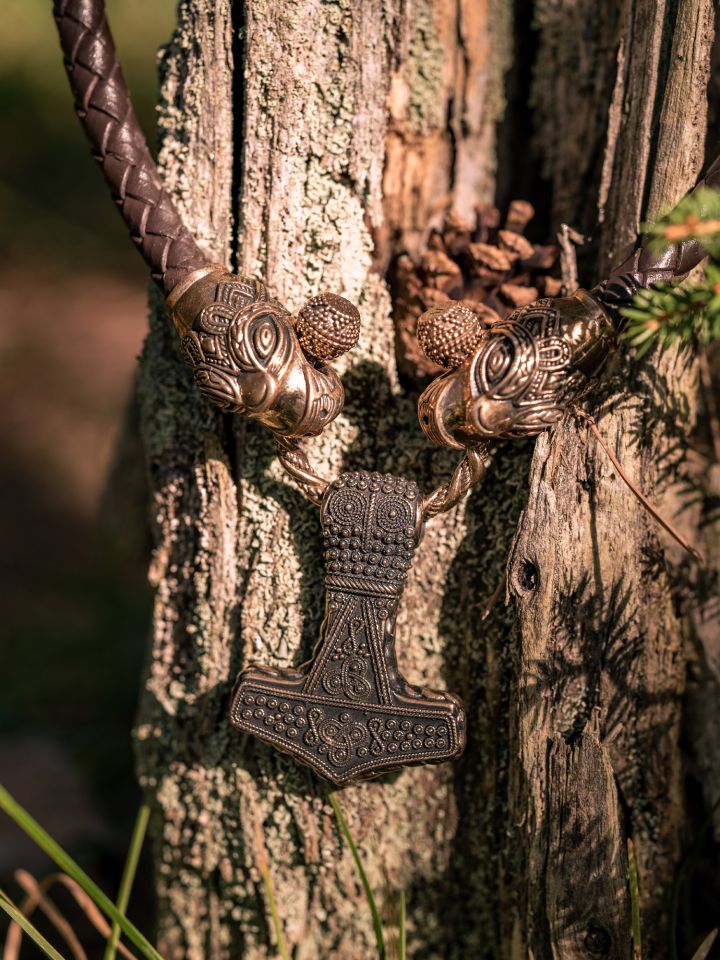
pixel 377 922
pixel 14 913
pixel 277 925
pixel 128 876
pixel 43 840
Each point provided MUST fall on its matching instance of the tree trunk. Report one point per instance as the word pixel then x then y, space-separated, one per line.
pixel 602 666
pixel 309 144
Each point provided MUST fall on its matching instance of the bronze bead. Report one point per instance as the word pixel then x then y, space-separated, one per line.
pixel 327 326
pixel 449 333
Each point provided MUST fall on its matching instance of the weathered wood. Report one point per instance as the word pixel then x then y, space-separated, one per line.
pixel 601 644
pixel 445 100
pixel 632 121
pixel 573 78
pixel 683 123
pixel 702 714
pixel 193 514
pixel 584 846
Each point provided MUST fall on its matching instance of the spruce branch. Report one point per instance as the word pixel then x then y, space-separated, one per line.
pixel 665 313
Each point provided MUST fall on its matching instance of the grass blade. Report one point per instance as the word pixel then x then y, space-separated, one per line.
pixel 377 922
pixel 43 839
pixel 402 945
pixel 264 867
pixel 634 901
pixel 12 911
pixel 704 949
pixel 270 893
pixel 128 876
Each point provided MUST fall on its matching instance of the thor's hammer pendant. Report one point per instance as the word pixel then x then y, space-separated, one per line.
pixel 348 713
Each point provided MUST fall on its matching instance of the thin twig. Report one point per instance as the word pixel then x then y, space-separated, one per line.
pixel 704 949
pixel 494 597
pixel 568 239
pixel 37 898
pixel 93 914
pixel 88 907
pixel 583 415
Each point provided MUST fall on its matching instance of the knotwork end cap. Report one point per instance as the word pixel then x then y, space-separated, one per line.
pixel 448 334
pixel 327 326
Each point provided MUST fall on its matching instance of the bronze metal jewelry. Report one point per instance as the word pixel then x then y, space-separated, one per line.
pixel 522 374
pixel 348 714
pixel 250 356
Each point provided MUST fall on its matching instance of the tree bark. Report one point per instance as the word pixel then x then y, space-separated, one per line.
pixel 602 665
pixel 308 144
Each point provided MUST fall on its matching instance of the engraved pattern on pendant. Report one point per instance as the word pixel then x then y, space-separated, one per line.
pixel 356 715
pixel 274 713
pixel 349 664
pixel 525 363
pixel 336 738
pixel 403 736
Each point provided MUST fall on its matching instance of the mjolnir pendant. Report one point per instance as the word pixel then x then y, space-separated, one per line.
pixel 348 713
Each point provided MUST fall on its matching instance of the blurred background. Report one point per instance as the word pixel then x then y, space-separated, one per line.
pixel 72 319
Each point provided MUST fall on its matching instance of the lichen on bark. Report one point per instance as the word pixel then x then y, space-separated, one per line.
pixel 234 584
pixel 357 123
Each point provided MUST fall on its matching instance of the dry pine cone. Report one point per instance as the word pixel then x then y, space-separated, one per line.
pixel 490 269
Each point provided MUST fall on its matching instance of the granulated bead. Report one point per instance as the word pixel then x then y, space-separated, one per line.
pixel 327 326
pixel 449 334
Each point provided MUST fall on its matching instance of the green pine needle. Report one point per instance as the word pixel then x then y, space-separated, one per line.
pixel 694 217
pixel 665 314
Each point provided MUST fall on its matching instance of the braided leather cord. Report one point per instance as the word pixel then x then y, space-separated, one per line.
pixel 649 265
pixel 102 102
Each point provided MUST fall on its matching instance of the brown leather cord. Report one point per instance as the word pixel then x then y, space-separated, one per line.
pixel 648 264
pixel 102 102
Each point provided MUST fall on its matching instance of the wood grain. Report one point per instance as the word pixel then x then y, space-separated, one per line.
pixel 601 644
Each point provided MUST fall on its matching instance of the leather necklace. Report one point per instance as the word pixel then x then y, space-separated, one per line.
pixel 348 714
